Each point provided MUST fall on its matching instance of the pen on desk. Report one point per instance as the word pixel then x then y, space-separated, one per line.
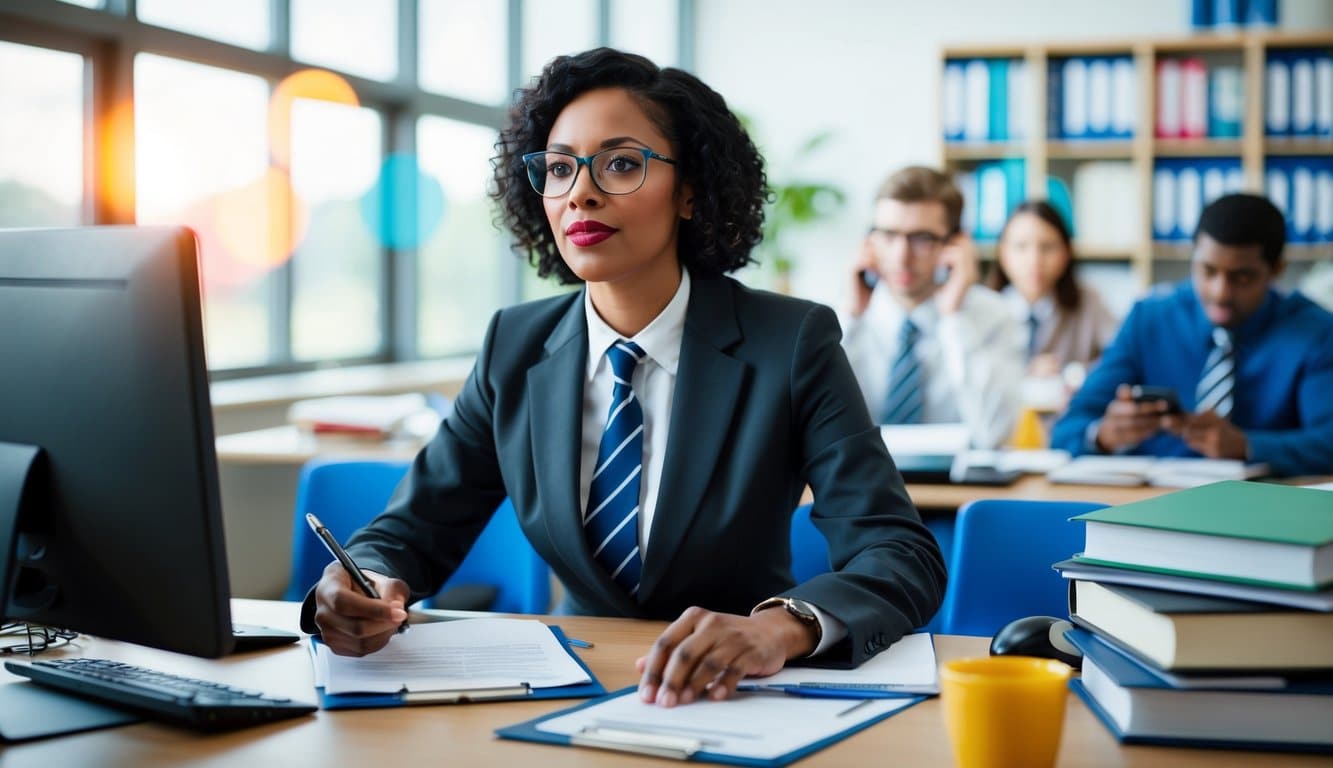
pixel 578 643
pixel 335 549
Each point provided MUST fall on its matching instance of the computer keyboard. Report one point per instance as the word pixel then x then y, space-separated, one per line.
pixel 197 704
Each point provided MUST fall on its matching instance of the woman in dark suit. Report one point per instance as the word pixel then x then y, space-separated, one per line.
pixel 654 430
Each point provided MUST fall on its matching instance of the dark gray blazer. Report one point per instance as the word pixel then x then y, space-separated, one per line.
pixel 765 403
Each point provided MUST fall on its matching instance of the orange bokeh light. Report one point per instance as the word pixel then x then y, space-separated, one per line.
pixel 306 84
pixel 115 153
pixel 261 223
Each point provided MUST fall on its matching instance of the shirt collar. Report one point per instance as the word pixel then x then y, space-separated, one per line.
pixel 1253 326
pixel 891 314
pixel 660 339
pixel 1042 308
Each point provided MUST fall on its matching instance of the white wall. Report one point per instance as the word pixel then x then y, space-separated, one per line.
pixel 869 71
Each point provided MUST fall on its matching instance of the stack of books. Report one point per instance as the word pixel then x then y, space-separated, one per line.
pixel 1205 617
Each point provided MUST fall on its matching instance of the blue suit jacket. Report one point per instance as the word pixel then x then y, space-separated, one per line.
pixel 765 402
pixel 1284 377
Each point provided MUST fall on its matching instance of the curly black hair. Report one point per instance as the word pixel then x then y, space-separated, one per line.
pixel 712 150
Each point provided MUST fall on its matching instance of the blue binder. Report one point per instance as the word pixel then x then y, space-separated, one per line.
pixel 528 731
pixel 1131 673
pixel 402 699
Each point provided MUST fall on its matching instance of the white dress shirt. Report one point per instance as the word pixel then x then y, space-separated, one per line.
pixel 972 361
pixel 1043 309
pixel 654 385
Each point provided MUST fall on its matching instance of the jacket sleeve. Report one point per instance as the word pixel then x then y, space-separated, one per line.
pixel 449 494
pixel 1307 449
pixel 888 575
pixel 1119 365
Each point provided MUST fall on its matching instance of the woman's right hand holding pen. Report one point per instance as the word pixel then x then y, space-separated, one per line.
pixel 352 624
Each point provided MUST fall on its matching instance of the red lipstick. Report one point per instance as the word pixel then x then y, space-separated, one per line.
pixel 588 232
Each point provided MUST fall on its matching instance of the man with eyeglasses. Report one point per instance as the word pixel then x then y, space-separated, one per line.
pixel 927 343
pixel 1222 365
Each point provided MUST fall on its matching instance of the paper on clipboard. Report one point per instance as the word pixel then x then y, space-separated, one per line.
pixel 907 666
pixel 466 654
pixel 753 726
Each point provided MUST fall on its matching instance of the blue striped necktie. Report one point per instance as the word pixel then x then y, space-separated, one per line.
pixel 1217 385
pixel 612 519
pixel 1033 325
pixel 904 402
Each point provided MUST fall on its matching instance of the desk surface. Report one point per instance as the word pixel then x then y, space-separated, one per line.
pixel 464 735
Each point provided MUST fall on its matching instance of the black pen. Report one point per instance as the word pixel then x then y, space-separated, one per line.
pixel 338 552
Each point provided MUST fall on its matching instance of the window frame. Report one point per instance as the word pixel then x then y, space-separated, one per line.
pixel 109 38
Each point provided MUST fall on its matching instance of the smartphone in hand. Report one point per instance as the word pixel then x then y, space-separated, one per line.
pixel 1146 393
pixel 869 279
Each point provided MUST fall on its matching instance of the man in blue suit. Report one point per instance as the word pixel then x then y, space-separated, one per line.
pixel 1252 367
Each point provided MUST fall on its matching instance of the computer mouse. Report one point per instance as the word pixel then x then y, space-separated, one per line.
pixel 1042 636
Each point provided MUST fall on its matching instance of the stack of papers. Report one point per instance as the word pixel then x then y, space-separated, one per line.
pixel 370 417
pixel 455 660
pixel 1147 470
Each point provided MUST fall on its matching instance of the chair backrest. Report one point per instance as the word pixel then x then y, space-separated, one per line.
pixel 809 548
pixel 347 494
pixel 1001 564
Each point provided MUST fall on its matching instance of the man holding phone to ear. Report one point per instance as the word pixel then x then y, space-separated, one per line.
pixel 927 343
pixel 1250 369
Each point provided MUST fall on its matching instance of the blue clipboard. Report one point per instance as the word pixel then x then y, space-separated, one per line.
pixel 528 731
pixel 404 699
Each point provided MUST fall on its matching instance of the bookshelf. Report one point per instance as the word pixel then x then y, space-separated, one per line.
pixel 1134 154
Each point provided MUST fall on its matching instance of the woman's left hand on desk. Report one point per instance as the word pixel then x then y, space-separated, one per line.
pixel 707 654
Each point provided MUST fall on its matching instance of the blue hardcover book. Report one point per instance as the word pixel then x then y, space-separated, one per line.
pixel 1139 706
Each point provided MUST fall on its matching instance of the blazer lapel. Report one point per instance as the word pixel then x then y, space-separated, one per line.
pixel 555 406
pixel 708 385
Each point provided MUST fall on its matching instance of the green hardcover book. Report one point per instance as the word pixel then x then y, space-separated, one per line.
pixel 1257 533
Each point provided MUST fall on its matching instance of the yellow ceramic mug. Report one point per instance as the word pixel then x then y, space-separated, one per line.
pixel 1004 711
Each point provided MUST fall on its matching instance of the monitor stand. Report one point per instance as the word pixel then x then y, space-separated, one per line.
pixel 28 711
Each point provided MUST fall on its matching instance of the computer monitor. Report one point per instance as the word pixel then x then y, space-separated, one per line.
pixel 110 520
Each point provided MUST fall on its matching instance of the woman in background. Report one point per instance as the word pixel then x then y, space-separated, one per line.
pixel 1067 323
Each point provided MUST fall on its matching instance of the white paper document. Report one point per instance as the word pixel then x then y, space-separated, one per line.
pixel 913 439
pixel 754 725
pixel 907 666
pixel 454 655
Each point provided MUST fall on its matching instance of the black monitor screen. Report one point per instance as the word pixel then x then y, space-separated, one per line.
pixel 102 368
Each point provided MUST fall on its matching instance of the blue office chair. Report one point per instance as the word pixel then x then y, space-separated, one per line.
pixel 809 549
pixel 347 494
pixel 1001 564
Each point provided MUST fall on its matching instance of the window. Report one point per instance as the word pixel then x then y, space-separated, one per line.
pixel 242 22
pixel 337 270
pixel 201 160
pixel 462 45
pixel 461 266
pixel 646 27
pixel 555 27
pixel 41 137
pixel 359 37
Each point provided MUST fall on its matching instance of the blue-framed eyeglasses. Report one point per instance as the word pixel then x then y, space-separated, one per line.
pixel 615 171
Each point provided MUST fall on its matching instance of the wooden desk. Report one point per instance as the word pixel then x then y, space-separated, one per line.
pixel 463 735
